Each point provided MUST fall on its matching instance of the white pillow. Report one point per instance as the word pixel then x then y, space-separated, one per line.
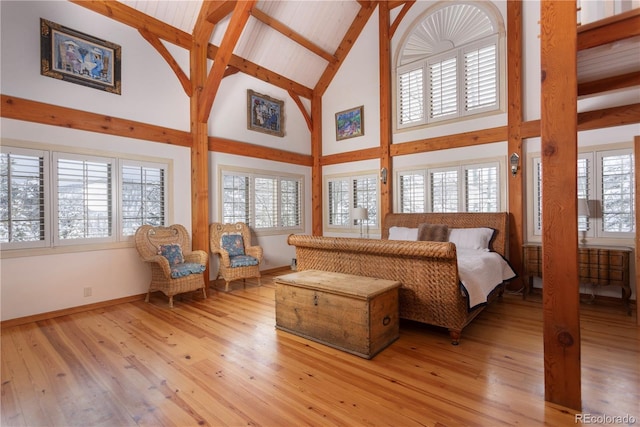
pixel 471 238
pixel 403 233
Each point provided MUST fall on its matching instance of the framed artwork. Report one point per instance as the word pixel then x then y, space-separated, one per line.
pixel 72 56
pixel 265 114
pixel 350 123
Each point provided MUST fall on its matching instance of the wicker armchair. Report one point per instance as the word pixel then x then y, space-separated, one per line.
pixel 175 268
pixel 231 243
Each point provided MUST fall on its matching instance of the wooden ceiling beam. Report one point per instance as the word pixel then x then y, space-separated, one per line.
pixel 264 74
pixel 238 21
pixel 618 27
pixel 164 52
pixel 291 34
pixel 138 20
pixel 345 46
pixel 609 83
pixel 218 10
pixel 403 12
pixel 303 110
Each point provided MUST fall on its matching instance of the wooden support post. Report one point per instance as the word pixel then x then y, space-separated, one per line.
pixel 516 183
pixel 636 155
pixel 386 195
pixel 316 169
pixel 558 126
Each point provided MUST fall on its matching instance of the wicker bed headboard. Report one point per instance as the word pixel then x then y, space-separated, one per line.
pixel 499 221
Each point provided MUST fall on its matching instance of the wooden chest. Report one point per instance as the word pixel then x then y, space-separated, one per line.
pixel 355 314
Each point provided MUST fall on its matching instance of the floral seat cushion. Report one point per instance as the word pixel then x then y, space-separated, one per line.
pixel 242 261
pixel 185 269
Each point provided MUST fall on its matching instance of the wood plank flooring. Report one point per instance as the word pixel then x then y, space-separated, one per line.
pixel 221 362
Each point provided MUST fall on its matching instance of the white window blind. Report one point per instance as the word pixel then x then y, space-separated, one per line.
pixel 443 88
pixel 412 192
pixel 22 198
pixel 143 196
pixel 480 78
pixel 411 96
pixel 235 199
pixel 339 205
pixel 444 190
pixel 617 192
pixel 481 185
pixel 290 193
pixel 365 195
pixel 267 203
pixel 605 179
pixel 472 187
pixel 84 188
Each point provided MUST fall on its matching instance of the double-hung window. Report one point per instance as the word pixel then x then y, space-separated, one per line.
pixel 24 199
pixel 606 179
pixel 55 198
pixel 268 202
pixel 473 187
pixel 448 65
pixel 345 193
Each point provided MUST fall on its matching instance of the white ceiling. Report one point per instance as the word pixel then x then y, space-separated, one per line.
pixel 325 23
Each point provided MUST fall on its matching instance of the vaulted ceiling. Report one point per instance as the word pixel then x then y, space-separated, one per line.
pixel 299 45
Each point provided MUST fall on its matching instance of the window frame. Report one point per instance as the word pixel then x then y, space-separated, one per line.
pixel 46 195
pixel 593 178
pixel 351 225
pixel 460 168
pixel 252 175
pixel 481 41
pixel 52 243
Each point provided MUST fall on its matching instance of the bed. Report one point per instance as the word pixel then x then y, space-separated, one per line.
pixel 432 291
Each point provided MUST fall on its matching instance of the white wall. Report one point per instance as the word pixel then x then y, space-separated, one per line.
pixel 152 94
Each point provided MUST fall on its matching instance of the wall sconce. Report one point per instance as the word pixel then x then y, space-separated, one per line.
pixel 514 161
pixel 383 175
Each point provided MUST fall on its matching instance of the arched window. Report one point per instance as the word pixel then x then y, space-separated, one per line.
pixel 448 65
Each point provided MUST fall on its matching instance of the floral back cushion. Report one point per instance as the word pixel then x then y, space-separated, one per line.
pixel 173 254
pixel 233 244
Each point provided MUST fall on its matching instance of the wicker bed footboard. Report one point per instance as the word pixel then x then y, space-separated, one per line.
pixel 430 291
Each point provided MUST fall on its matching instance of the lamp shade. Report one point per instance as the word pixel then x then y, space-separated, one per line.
pixel 583 208
pixel 360 213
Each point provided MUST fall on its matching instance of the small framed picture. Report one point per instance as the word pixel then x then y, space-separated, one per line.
pixel 350 123
pixel 265 114
pixel 72 56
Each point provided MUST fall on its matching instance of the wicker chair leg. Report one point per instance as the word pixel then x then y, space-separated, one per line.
pixel 455 336
pixel 204 292
pixel 146 299
pixel 259 283
pixel 171 301
pixel 226 286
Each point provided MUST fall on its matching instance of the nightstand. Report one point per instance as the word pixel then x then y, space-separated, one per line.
pixel 598 265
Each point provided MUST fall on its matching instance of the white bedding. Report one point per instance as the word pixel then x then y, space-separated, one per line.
pixel 480 272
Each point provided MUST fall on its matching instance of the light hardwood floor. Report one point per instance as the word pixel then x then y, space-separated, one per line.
pixel 221 362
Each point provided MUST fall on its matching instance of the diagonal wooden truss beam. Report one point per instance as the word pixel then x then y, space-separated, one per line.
pixel 239 19
pixel 345 46
pixel 164 52
pixel 291 34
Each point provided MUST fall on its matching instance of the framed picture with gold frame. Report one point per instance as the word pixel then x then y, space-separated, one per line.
pixel 350 123
pixel 265 114
pixel 72 56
